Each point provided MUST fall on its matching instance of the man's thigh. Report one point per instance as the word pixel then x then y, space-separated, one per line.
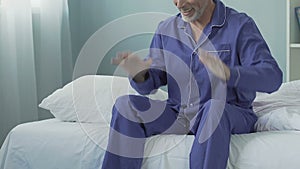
pixel 219 114
pixel 155 116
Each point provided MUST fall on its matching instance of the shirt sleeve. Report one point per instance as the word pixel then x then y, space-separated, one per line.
pixel 258 70
pixel 156 76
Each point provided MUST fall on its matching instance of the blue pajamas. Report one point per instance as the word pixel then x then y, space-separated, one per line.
pixel 212 109
pixel 234 120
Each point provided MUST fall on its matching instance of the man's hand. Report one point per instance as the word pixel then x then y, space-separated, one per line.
pixel 215 65
pixel 133 65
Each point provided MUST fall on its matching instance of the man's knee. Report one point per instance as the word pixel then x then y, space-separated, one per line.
pixel 127 109
pixel 140 103
pixel 227 117
pixel 212 116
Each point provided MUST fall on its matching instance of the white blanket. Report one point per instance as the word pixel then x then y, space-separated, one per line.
pixel 52 144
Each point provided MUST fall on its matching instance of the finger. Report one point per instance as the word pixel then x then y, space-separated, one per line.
pixel 120 57
pixel 203 60
pixel 203 57
pixel 126 54
pixel 115 61
pixel 148 62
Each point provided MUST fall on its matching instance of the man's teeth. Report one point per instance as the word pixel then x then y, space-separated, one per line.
pixel 186 10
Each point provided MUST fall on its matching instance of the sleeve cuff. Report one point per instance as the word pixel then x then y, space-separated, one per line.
pixel 141 87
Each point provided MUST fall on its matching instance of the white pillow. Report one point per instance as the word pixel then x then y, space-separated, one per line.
pixel 279 110
pixel 284 118
pixel 90 98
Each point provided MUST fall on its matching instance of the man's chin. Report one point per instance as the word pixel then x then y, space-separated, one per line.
pixel 188 19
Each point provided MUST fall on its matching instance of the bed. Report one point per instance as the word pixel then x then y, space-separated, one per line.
pixel 78 135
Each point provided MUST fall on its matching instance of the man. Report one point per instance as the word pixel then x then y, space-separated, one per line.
pixel 213 61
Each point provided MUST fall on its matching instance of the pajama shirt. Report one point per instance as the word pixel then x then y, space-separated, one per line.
pixel 198 103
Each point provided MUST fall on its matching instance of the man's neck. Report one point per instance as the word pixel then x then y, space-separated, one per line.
pixel 200 23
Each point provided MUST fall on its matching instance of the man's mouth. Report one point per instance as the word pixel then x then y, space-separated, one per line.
pixel 186 11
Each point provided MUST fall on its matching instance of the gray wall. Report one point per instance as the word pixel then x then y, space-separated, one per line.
pixel 87 16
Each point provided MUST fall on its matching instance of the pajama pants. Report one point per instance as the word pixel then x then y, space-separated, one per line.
pixel 134 118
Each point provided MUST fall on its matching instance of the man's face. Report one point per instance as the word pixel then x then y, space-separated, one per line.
pixel 191 10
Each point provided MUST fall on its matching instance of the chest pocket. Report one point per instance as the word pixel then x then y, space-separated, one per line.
pixel 223 51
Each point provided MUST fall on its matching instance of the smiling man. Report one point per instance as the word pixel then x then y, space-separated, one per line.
pixel 213 60
pixel 191 12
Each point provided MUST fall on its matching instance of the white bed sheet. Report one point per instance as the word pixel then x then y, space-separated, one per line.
pixel 52 144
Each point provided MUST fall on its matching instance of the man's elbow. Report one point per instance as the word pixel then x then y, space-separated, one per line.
pixel 276 81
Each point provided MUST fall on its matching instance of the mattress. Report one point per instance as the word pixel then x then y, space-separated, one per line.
pixel 53 144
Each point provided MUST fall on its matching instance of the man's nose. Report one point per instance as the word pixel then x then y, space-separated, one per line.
pixel 179 3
